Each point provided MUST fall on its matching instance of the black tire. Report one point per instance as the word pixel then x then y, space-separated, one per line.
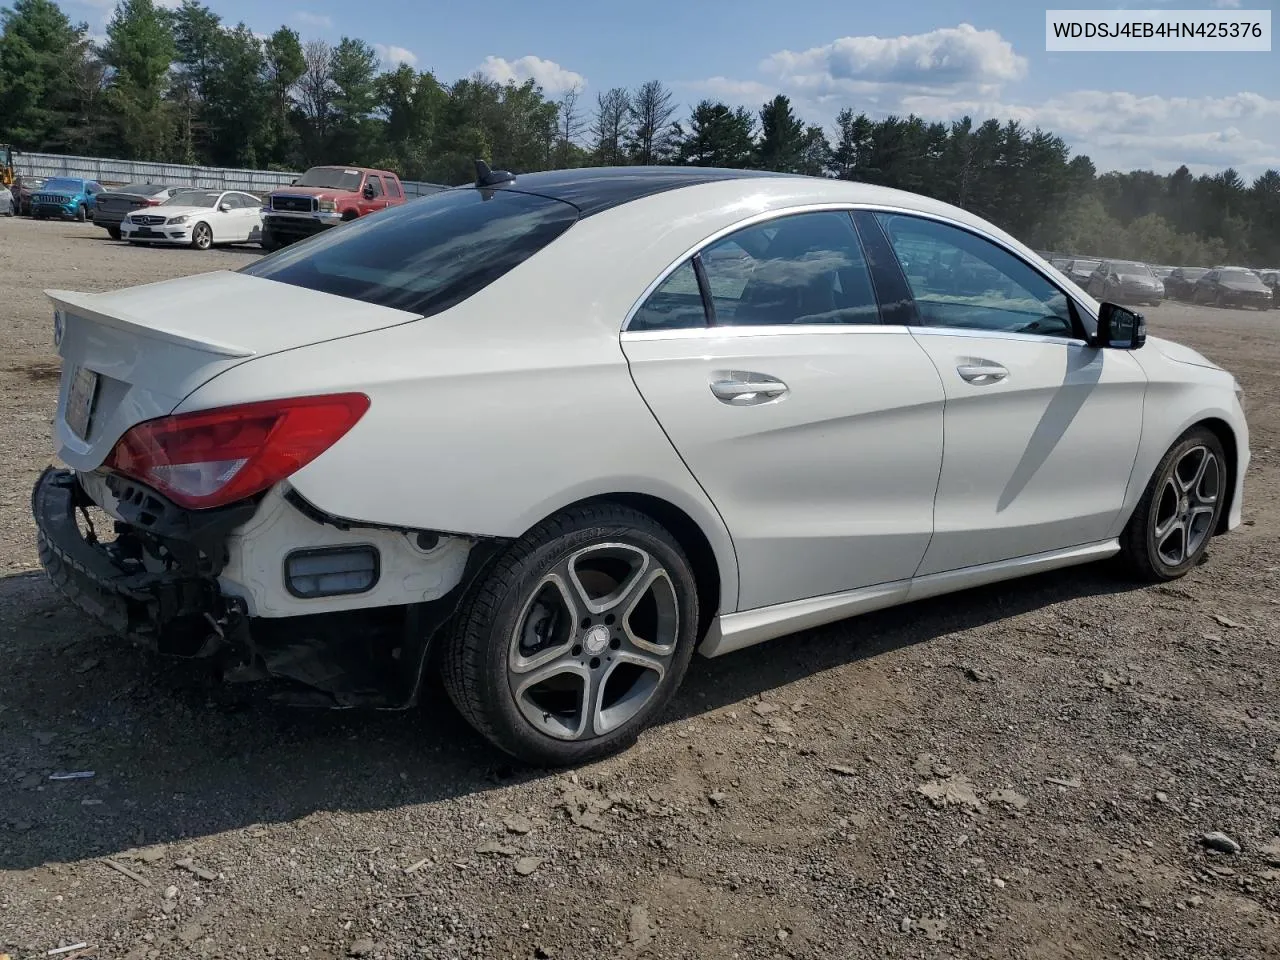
pixel 201 236
pixel 475 661
pixel 1140 552
pixel 270 244
pixel 81 214
pixel 113 233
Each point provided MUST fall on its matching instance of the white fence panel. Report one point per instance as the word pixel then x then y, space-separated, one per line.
pixel 109 172
pixel 134 171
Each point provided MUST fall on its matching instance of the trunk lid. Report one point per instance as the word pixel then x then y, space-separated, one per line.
pixel 121 203
pixel 135 354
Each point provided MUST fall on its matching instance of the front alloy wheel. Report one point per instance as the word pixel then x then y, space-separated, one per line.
pixel 1171 527
pixel 201 236
pixel 577 638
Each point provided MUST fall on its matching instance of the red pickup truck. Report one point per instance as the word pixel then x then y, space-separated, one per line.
pixel 323 197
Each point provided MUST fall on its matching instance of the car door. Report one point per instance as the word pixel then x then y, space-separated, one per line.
pixel 814 425
pixel 240 219
pixel 377 201
pixel 1041 429
pixel 250 217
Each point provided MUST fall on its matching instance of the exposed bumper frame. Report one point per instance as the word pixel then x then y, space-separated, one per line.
pixel 183 612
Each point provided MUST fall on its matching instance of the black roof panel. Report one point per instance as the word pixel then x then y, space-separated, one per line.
pixel 596 189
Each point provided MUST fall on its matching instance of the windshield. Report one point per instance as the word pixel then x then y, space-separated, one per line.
pixel 425 256
pixel 65 184
pixel 1192 273
pixel 1085 266
pixel 333 177
pixel 193 198
pixel 1240 273
pixel 1128 269
pixel 1162 272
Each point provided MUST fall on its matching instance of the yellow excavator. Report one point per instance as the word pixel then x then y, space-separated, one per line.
pixel 7 173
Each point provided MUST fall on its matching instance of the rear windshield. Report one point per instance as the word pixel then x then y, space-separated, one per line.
pixel 425 256
pixel 330 177
pixel 141 189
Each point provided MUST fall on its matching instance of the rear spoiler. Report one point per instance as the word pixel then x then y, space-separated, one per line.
pixel 82 305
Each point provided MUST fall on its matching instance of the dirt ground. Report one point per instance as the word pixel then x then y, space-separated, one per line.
pixel 1079 738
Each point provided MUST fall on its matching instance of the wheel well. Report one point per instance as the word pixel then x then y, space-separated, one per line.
pixel 350 214
pixel 692 540
pixel 1226 436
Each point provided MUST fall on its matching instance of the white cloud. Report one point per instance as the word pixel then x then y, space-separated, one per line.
pixel 169 4
pixel 309 19
pixel 950 73
pixel 949 57
pixel 1226 4
pixel 549 75
pixel 392 56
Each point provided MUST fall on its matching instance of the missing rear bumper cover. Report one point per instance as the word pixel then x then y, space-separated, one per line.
pixel 157 585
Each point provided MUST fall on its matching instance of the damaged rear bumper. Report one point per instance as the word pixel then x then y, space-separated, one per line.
pixel 178 611
pixel 157 583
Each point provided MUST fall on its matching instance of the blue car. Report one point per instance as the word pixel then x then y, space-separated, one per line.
pixel 66 198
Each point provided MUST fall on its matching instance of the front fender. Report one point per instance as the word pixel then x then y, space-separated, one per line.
pixel 1179 396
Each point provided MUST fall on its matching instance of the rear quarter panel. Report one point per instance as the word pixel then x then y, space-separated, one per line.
pixel 501 411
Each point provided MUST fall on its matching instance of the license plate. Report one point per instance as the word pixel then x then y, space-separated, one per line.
pixel 81 398
pixel 145 232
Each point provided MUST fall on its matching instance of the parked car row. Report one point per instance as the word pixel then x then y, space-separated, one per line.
pixel 146 213
pixel 1131 282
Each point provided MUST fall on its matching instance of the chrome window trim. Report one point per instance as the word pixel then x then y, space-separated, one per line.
pixel 762 330
pixel 845 207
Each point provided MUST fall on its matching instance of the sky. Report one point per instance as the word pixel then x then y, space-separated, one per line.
pixel 984 58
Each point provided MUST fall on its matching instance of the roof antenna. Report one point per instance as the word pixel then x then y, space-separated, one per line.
pixel 492 178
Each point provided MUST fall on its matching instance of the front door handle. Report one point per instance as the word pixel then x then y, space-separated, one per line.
pixel 981 372
pixel 748 389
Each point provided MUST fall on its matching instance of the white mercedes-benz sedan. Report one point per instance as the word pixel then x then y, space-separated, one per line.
pixel 548 435
pixel 197 218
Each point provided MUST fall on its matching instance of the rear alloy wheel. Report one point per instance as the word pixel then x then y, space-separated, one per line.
pixel 1173 522
pixel 201 236
pixel 577 638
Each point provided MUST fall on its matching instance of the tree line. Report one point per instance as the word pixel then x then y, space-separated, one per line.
pixel 180 85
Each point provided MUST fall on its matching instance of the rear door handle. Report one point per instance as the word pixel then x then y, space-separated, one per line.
pixel 748 389
pixel 982 372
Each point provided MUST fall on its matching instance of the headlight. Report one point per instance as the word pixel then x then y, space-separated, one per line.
pixel 327 206
pixel 174 220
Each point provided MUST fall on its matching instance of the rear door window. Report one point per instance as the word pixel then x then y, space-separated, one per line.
pixel 425 256
pixel 675 305
pixel 805 268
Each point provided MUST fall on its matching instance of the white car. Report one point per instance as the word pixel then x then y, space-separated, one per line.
pixel 549 434
pixel 197 218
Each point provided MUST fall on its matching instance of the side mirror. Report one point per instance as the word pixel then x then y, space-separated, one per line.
pixel 224 206
pixel 368 191
pixel 1120 328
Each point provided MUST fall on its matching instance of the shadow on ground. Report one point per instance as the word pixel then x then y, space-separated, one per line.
pixel 173 760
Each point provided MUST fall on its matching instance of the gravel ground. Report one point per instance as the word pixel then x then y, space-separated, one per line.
pixel 1022 771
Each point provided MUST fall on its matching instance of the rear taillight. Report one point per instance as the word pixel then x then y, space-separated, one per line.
pixel 151 203
pixel 215 457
